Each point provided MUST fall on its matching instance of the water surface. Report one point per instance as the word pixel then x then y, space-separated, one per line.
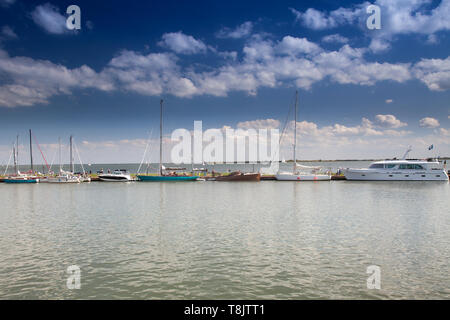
pixel 218 240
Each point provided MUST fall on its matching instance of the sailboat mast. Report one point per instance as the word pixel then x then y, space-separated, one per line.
pixel 31 153
pixel 71 156
pixel 15 160
pixel 295 130
pixel 60 163
pixel 17 152
pixel 160 137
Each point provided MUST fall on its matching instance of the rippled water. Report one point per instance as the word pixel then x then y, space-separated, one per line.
pixel 216 240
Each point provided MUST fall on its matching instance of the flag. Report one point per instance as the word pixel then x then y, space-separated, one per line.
pixel 430 147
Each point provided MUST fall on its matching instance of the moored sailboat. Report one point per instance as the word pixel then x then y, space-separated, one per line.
pixel 301 173
pixel 162 174
pixel 20 177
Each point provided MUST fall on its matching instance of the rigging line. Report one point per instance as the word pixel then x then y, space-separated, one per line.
pixel 39 147
pixel 10 156
pixel 53 160
pixel 145 152
pixel 79 158
pixel 286 123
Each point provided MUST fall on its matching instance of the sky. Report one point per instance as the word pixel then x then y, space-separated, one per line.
pixel 363 93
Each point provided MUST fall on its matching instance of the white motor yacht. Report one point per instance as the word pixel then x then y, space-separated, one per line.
pixel 399 170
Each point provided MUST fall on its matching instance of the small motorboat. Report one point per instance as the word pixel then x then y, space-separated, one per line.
pixel 116 176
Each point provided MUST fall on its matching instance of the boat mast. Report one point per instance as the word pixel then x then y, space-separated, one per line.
pixel 160 137
pixel 295 129
pixel 60 164
pixel 15 161
pixel 31 153
pixel 71 156
pixel 17 151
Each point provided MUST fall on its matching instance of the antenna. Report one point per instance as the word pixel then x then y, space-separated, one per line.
pixel 407 152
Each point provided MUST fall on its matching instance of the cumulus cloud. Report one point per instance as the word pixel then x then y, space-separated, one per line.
pixel 435 73
pixel 6 3
pixel 388 101
pixel 241 31
pixel 398 17
pixel 389 121
pixel 182 43
pixel 34 81
pixel 264 62
pixel 429 122
pixel 259 124
pixel 335 38
pixel 8 32
pixel 318 20
pixel 47 16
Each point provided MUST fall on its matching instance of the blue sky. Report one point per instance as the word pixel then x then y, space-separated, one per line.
pixel 363 93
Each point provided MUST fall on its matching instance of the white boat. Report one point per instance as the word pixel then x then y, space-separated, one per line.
pixel 116 176
pixel 63 177
pixel 399 170
pixel 302 173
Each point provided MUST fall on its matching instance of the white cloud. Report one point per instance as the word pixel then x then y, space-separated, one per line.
pixel 264 63
pixel 397 18
pixel 240 31
pixel 388 101
pixel 34 81
pixel 8 32
pixel 6 3
pixel 435 73
pixel 428 122
pixel 48 17
pixel 259 124
pixel 182 43
pixel 389 121
pixel 294 46
pixel 318 20
pixel 335 38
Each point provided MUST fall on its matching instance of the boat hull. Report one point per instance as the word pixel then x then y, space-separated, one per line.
pixel 7 180
pixel 240 177
pixel 165 178
pixel 368 175
pixel 112 178
pixel 302 177
pixel 62 180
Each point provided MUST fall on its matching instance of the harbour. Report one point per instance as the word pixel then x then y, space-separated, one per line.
pixel 216 240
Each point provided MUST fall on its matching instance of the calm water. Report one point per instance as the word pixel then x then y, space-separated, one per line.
pixel 217 240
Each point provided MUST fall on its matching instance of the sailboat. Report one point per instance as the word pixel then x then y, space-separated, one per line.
pixel 163 176
pixel 300 172
pixel 22 177
pixel 64 176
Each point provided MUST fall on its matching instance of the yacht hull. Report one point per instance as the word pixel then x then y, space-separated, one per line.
pixel 166 178
pixel 302 177
pixel 20 180
pixel 367 175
